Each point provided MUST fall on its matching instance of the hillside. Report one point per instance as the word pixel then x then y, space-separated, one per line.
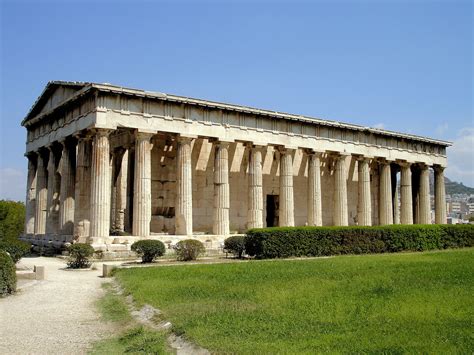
pixel 452 187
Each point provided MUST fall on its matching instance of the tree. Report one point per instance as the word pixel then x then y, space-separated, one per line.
pixel 12 219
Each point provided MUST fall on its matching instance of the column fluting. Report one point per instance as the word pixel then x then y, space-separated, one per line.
pixel 142 185
pixel 286 216
pixel 82 196
pixel 52 216
pixel 364 210
pixel 100 187
pixel 121 185
pixel 424 197
pixel 406 194
pixel 255 193
pixel 184 190
pixel 221 189
pixel 41 194
pixel 340 217
pixel 386 203
pixel 67 192
pixel 440 195
pixel 30 205
pixel 314 189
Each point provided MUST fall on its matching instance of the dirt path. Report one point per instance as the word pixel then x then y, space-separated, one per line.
pixel 55 316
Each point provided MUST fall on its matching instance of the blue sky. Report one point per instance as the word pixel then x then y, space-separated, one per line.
pixel 401 65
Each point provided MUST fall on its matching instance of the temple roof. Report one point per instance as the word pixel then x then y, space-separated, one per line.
pixel 76 89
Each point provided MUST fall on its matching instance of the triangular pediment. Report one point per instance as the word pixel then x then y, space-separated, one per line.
pixel 53 95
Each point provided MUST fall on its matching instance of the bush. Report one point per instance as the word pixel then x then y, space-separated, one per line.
pixel 15 248
pixel 189 249
pixel 79 255
pixel 235 245
pixel 149 249
pixel 7 274
pixel 318 241
pixel 12 219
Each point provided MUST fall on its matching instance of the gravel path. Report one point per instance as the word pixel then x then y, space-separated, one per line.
pixel 54 316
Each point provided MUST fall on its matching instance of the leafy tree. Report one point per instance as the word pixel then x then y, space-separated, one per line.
pixel 12 219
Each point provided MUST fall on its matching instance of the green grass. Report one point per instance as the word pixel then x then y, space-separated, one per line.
pixel 391 303
pixel 131 338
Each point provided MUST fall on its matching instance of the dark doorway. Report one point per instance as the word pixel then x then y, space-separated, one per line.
pixel 272 210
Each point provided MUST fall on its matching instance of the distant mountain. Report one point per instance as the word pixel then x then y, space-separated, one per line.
pixel 452 187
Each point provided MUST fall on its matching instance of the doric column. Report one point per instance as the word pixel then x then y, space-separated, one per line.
pixel 66 195
pixel 314 189
pixel 364 207
pixel 287 213
pixel 340 216
pixel 100 187
pixel 142 185
pixel 406 206
pixel 386 204
pixel 425 208
pixel 30 205
pixel 121 189
pixel 220 224
pixel 41 194
pixel 82 196
pixel 396 206
pixel 53 194
pixel 440 195
pixel 184 190
pixel 255 193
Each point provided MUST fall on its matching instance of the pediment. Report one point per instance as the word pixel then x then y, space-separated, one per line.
pixel 53 95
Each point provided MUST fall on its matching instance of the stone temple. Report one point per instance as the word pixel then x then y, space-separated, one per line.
pixel 109 165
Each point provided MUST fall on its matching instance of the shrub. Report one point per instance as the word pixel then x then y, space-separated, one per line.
pixel 12 219
pixel 7 274
pixel 79 255
pixel 318 241
pixel 189 249
pixel 149 249
pixel 235 245
pixel 15 248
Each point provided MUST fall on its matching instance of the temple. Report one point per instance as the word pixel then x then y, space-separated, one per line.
pixel 109 165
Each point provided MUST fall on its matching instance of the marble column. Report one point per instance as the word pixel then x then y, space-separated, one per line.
pixel 30 204
pixel 220 224
pixel 364 207
pixel 184 188
pixel 83 188
pixel 314 189
pixel 287 213
pixel 396 206
pixel 142 185
pixel 67 192
pixel 121 189
pixel 100 188
pixel 41 194
pixel 341 217
pixel 424 198
pixel 406 201
pixel 386 203
pixel 440 195
pixel 53 193
pixel 255 192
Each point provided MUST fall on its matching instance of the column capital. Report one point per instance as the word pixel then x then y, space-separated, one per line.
pixel 285 149
pixel 404 163
pixel 185 138
pixel 311 151
pixel 438 168
pixel 83 135
pixel 256 145
pixel 220 143
pixel 31 155
pixel 102 132
pixel 361 157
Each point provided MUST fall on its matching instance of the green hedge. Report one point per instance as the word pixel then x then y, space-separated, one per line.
pixel 283 242
pixel 15 248
pixel 7 274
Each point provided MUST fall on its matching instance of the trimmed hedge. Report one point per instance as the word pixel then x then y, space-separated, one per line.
pixel 7 274
pixel 79 255
pixel 189 249
pixel 149 249
pixel 283 242
pixel 15 248
pixel 235 245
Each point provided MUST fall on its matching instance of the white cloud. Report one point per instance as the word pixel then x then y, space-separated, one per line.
pixel 379 125
pixel 461 157
pixel 12 184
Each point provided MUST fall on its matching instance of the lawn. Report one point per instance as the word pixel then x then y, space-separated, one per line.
pixel 391 303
